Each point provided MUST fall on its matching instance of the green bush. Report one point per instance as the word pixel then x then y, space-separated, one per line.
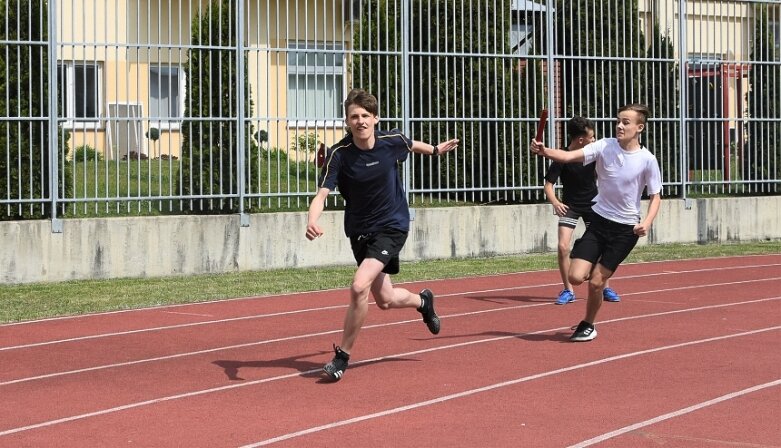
pixel 210 147
pixel 84 153
pixel 305 142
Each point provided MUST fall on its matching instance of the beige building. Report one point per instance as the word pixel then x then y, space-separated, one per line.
pixel 718 43
pixel 122 71
pixel 122 67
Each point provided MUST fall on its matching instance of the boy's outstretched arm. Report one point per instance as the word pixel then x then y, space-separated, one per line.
pixel 557 155
pixel 428 149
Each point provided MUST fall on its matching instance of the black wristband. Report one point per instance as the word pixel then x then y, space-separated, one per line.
pixel 436 151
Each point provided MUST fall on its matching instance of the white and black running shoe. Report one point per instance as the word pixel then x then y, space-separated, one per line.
pixel 584 332
pixel 335 369
pixel 427 310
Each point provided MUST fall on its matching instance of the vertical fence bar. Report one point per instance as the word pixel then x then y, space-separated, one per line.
pixel 240 112
pixel 405 85
pixel 683 98
pixel 551 38
pixel 53 122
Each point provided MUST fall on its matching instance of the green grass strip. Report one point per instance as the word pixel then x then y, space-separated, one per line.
pixel 41 300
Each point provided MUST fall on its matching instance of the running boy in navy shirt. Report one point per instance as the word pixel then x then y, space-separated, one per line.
pixel 365 167
pixel 624 168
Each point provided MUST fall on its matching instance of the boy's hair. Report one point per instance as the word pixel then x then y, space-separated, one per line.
pixel 579 127
pixel 641 109
pixel 361 98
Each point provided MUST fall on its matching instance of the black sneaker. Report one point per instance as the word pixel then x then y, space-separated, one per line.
pixel 427 310
pixel 335 369
pixel 584 332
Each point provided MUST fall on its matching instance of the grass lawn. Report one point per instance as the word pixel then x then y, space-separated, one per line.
pixel 118 186
pixel 35 301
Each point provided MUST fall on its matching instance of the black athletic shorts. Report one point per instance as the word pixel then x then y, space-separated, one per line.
pixel 384 245
pixel 575 212
pixel 606 242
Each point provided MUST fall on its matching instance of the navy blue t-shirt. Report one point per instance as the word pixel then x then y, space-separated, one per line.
pixel 369 182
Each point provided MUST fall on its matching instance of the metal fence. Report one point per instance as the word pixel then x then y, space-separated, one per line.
pixel 180 106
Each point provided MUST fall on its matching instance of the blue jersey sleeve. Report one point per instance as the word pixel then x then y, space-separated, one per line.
pixel 403 149
pixel 329 175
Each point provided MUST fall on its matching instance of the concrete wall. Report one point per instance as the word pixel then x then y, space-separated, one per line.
pixel 174 245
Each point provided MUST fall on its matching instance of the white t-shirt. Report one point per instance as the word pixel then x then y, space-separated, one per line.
pixel 621 178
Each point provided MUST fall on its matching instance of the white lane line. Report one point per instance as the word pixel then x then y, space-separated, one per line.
pixel 188 314
pixel 404 355
pixel 169 327
pixel 327 332
pixel 673 414
pixel 658 301
pixel 525 273
pixel 333 307
pixel 491 387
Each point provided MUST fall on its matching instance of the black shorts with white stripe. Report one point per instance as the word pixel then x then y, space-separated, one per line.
pixel 575 212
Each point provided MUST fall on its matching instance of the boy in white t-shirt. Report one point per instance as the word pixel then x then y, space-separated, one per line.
pixel 624 168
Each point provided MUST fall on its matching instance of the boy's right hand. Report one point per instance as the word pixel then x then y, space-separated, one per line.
pixel 560 209
pixel 313 231
pixel 537 147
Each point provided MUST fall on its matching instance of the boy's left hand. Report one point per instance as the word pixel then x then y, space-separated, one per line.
pixel 641 229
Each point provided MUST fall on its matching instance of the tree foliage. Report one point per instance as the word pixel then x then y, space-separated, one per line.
pixel 24 94
pixel 470 88
pixel 661 92
pixel 598 71
pixel 763 160
pixel 210 144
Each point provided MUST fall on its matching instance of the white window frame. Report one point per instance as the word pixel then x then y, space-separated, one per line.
pixel 70 87
pixel 326 71
pixel 155 120
pixel 520 36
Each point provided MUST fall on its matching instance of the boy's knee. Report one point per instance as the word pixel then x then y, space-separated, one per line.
pixel 576 280
pixel 382 304
pixel 597 283
pixel 359 292
pixel 564 249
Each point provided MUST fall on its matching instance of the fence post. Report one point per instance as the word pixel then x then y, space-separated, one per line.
pixel 683 99
pixel 53 116
pixel 552 88
pixel 240 111
pixel 405 67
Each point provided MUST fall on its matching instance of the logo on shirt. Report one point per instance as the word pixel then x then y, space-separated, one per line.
pixel 385 252
pixel 372 163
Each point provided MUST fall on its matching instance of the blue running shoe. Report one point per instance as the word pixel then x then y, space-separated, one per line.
pixel 608 295
pixel 565 297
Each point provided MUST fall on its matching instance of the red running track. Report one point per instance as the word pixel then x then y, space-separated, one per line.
pixel 691 357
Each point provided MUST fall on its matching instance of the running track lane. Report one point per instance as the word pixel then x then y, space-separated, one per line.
pixel 483 299
pixel 199 314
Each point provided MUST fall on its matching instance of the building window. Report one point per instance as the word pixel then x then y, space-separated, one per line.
pixel 315 85
pixel 166 96
pixel 521 38
pixel 80 86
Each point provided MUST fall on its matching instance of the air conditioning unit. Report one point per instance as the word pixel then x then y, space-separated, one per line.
pixel 125 130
